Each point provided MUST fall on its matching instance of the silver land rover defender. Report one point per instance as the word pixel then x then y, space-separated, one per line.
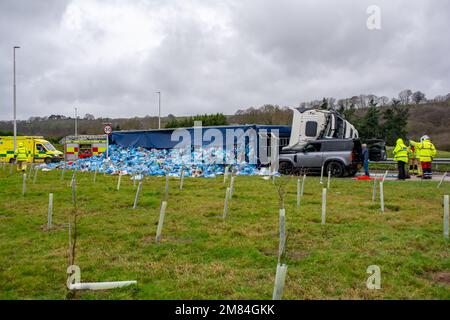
pixel 342 157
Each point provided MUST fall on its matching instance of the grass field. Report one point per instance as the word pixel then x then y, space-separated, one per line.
pixel 202 256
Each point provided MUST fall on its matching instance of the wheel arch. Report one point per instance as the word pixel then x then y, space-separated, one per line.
pixel 337 160
pixel 327 162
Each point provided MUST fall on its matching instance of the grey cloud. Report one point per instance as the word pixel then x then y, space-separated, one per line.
pixel 216 56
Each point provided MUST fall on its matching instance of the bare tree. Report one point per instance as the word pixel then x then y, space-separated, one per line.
pixel 331 103
pixel 280 183
pixel 384 100
pixel 373 98
pixel 418 97
pixel 89 116
pixel 356 101
pixel 405 96
pixel 363 100
pixel 439 98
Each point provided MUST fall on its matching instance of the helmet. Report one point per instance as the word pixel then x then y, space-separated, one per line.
pixel 20 144
pixel 425 137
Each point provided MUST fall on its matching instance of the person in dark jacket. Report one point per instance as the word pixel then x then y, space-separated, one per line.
pixel 365 156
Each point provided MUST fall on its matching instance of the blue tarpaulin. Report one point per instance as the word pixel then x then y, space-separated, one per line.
pixel 162 139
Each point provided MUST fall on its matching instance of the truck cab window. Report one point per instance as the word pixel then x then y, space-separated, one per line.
pixel 339 131
pixel 311 129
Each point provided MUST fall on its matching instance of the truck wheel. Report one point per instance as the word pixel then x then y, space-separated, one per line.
pixel 48 160
pixel 336 168
pixel 12 160
pixel 285 167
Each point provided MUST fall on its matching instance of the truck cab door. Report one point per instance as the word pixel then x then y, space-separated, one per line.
pixel 311 156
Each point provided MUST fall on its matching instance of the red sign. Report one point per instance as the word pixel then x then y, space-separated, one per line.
pixel 107 129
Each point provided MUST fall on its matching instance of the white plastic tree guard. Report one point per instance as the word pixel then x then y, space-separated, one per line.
pixel 74 190
pixel 138 191
pixel 100 285
pixel 166 188
pixel 231 188
pixel 329 179
pixel 303 185
pixel 321 175
pixel 274 153
pixel 24 184
pixel 324 205
pixel 225 175
pixel 50 211
pixel 280 279
pixel 374 190
pixel 282 223
pixel 74 282
pixel 162 213
pixel 446 216
pixel 381 197
pixel 442 179
pixel 225 204
pixel 385 175
pixel 35 175
pixel 119 180
pixel 181 179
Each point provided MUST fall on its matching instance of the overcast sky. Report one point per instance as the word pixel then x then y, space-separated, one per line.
pixel 109 58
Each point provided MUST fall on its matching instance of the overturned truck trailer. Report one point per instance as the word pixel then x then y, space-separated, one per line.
pixel 315 124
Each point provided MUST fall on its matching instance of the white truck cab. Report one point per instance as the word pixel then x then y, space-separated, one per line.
pixel 313 124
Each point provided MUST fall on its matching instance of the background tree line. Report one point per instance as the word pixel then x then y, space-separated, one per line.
pixel 217 119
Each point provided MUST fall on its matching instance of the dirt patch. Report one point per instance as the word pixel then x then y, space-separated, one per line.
pixel 297 255
pixel 269 252
pixel 212 215
pixel 54 227
pixel 393 207
pixel 442 277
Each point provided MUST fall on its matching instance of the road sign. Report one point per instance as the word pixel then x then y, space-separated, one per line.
pixel 107 129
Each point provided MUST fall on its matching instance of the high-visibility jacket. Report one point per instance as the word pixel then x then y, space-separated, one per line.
pixel 411 152
pixel 426 150
pixel 21 154
pixel 400 151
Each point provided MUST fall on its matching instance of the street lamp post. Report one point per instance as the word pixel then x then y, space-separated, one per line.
pixel 14 99
pixel 76 123
pixel 159 109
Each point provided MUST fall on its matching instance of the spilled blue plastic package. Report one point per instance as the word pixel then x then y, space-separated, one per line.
pixel 201 162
